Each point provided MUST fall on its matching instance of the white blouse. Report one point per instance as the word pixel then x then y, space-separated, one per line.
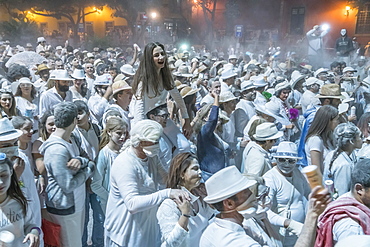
pixel 173 234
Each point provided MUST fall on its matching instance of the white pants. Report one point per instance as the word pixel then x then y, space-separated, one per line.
pixel 71 228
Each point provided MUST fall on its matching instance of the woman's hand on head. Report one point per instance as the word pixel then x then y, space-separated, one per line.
pixel 33 238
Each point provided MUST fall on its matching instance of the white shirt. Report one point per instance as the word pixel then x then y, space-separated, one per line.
pixel 50 98
pixel 223 233
pixel 346 227
pixel 255 160
pixel 97 106
pixel 341 170
pixel 134 199
pixel 260 99
pixel 172 233
pixel 308 98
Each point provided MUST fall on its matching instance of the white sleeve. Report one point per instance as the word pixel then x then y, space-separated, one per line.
pixel 172 233
pixel 175 94
pixel 345 228
pixel 126 179
pixel 138 111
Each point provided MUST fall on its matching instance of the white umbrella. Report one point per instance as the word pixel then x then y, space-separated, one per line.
pixel 26 58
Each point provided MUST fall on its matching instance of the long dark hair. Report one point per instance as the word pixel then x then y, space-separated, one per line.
pixel 14 190
pixel 19 92
pixel 43 132
pixel 178 166
pixel 320 125
pixel 13 108
pixel 148 76
pixel 363 124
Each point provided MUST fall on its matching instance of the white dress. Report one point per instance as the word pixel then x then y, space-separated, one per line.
pixel 172 233
pixel 133 201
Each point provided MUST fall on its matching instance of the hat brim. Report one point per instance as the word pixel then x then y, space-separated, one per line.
pixel 287 156
pixel 319 96
pixel 121 89
pixel 78 78
pixel 12 135
pixel 247 88
pixel 191 92
pixel 297 80
pixel 276 136
pixel 183 75
pixel 232 190
pixel 230 99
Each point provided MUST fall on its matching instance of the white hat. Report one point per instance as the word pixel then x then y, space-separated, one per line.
pixel 346 69
pixel 283 85
pixel 103 80
pixel 262 109
pixel 75 51
pixel 267 131
pixel 97 62
pixel 7 130
pixel 227 96
pixel 25 80
pixel 296 77
pixel 127 69
pixel 183 71
pixel 313 80
pixel 319 71
pixel 287 150
pixel 366 81
pixel 258 81
pixel 89 55
pixel 78 74
pixel 60 75
pixel 227 73
pixel 40 39
pixel 226 183
pixel 347 98
pixel 246 85
pixel 58 48
pixel 232 57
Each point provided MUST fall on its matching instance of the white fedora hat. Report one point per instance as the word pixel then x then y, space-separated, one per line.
pixel 246 85
pixel 226 183
pixel 287 150
pixel 313 80
pixel 40 39
pixel 258 81
pixel 267 131
pixel 296 77
pixel 227 73
pixel 7 130
pixel 103 80
pixel 319 71
pixel 227 96
pixel 78 74
pixel 25 80
pixel 127 69
pixel 61 75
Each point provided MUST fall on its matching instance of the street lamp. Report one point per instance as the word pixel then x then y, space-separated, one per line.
pixel 153 15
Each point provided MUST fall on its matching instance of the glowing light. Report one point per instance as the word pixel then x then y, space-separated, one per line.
pixel 325 27
pixel 153 15
pixel 195 1
pixel 184 47
pixel 348 8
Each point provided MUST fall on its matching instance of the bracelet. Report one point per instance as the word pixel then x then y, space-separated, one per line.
pixel 186 215
pixel 37 228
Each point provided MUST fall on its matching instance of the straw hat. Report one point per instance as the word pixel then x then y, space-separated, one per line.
pixel 187 91
pixel 41 67
pixel 119 86
pixel 331 91
pixel 226 183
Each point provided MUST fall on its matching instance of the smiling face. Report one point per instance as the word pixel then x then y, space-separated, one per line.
pixel 159 57
pixel 192 175
pixel 26 88
pixel 284 94
pixel 50 125
pixel 27 130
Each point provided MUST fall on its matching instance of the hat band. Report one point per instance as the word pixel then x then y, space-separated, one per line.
pixel 287 154
pixel 330 95
pixel 8 133
pixel 267 136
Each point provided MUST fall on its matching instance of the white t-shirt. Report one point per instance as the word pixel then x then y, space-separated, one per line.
pixel 314 143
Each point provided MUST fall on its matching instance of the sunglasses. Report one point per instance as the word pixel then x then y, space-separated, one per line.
pixel 290 161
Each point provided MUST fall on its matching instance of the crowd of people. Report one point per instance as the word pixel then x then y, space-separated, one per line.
pixel 183 148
